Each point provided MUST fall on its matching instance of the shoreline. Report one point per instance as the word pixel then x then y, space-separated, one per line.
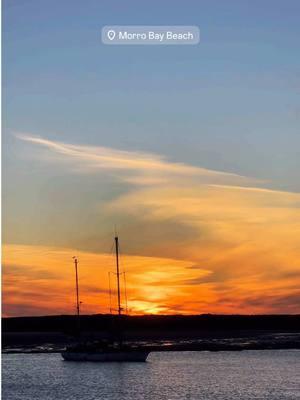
pixel 51 334
pixel 214 343
pixel 156 350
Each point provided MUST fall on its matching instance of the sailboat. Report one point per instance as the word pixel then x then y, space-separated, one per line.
pixel 103 351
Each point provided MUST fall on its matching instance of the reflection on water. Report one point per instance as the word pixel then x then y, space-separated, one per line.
pixel 244 375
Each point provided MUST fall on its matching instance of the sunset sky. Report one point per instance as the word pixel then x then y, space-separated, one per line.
pixel 192 153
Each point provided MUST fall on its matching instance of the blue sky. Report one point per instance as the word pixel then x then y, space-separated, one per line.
pixel 231 103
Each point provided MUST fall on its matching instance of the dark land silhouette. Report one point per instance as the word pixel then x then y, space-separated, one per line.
pixel 160 332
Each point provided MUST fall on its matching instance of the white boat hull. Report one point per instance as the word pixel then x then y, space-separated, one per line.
pixel 120 356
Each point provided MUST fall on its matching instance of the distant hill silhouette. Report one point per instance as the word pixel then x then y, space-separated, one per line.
pixel 163 332
pixel 153 323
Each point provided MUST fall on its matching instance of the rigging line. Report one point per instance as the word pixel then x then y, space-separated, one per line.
pixel 120 256
pixel 111 249
pixel 109 283
pixel 110 309
pixel 124 278
pixel 125 290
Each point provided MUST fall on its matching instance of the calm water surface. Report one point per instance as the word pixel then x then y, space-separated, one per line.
pixel 166 376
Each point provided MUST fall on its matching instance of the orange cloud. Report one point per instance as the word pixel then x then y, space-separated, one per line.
pixel 246 237
pixel 229 247
pixel 39 280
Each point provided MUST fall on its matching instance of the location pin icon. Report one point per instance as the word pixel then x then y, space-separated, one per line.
pixel 111 35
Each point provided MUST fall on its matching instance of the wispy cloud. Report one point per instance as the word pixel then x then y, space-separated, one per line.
pixel 214 237
pixel 142 168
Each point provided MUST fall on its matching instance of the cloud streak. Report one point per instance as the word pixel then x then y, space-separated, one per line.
pixel 207 241
pixel 142 168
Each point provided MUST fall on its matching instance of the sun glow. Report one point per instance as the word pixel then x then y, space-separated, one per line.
pixel 208 241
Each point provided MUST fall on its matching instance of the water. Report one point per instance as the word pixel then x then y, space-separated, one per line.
pixel 264 375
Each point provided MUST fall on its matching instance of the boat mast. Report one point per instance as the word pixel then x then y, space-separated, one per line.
pixel 77 293
pixel 118 274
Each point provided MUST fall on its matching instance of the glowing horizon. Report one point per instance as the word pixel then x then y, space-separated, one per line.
pixel 231 245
